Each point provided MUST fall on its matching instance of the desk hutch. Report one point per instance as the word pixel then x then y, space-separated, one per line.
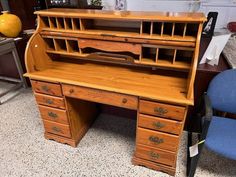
pixel 143 61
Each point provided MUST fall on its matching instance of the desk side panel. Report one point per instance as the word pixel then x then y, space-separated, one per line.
pixel 36 58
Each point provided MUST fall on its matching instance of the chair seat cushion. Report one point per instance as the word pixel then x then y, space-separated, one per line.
pixel 221 136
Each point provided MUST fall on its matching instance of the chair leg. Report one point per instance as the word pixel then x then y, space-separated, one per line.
pixel 189 143
pixel 192 162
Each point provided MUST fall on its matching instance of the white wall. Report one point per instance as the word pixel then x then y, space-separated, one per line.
pixel 153 5
pixel 226 8
pixel 226 11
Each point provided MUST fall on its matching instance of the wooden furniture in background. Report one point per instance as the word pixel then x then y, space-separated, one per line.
pixel 7 63
pixel 24 9
pixel 7 47
pixel 142 61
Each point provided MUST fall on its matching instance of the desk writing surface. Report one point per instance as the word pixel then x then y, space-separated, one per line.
pixel 117 79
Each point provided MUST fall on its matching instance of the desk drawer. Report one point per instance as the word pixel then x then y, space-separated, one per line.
pixel 52 101
pixel 100 96
pixel 155 155
pixel 47 88
pixel 162 110
pixel 56 128
pixel 157 139
pixel 160 124
pixel 53 114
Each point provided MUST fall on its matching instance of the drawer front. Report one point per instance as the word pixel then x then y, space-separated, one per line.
pixel 47 88
pixel 100 96
pixel 155 155
pixel 160 124
pixel 162 110
pixel 53 114
pixel 157 139
pixel 52 101
pixel 56 128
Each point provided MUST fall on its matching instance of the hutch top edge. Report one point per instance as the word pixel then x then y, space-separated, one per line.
pixel 132 15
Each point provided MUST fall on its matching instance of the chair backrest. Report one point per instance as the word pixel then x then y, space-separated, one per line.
pixel 222 91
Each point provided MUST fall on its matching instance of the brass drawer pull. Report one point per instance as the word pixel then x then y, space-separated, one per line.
pixel 154 155
pixel 56 129
pixel 71 91
pixel 45 88
pixel 124 100
pixel 158 125
pixel 156 140
pixel 160 110
pixel 53 115
pixel 48 101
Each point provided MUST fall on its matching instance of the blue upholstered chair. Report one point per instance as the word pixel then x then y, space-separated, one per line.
pixel 218 132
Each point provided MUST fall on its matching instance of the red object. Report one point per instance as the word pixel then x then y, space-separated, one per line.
pixel 232 26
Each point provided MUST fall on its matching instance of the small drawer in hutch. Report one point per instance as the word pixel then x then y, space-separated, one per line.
pixel 53 114
pixel 46 88
pixel 157 139
pixel 51 101
pixel 162 110
pixel 155 155
pixel 160 124
pixel 56 128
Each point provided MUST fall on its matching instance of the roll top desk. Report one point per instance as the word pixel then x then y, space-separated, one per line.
pixel 143 61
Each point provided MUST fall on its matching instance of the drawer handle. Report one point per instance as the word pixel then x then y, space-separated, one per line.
pixel 156 140
pixel 154 155
pixel 158 125
pixel 45 88
pixel 48 101
pixel 160 110
pixel 53 115
pixel 71 91
pixel 56 129
pixel 124 100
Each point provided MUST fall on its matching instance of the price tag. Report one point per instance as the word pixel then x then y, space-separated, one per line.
pixel 193 150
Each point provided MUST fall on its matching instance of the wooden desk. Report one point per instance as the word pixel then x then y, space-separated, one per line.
pixel 141 61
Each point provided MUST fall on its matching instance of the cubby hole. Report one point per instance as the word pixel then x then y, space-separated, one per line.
pixel 60 45
pixel 166 54
pixel 90 50
pixel 168 27
pixel 49 44
pixel 68 23
pixel 184 56
pixel 157 28
pixel 45 22
pixel 52 22
pixel 111 25
pixel 179 29
pixel 76 24
pixel 149 54
pixel 60 23
pixel 73 46
pixel 146 27
pixel 192 29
